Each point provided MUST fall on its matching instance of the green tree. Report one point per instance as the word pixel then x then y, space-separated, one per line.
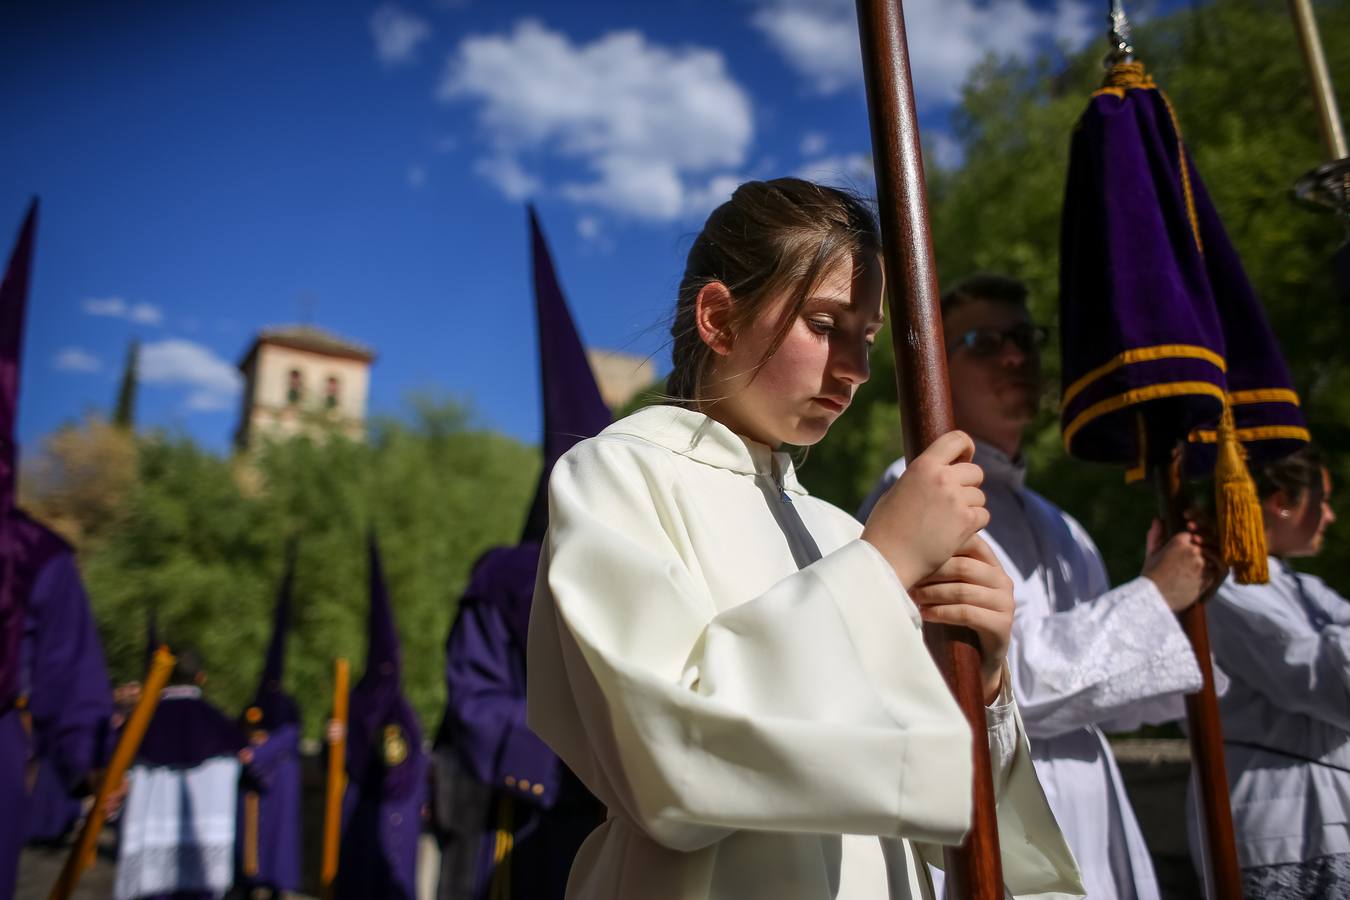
pixel 1235 76
pixel 203 540
pixel 124 415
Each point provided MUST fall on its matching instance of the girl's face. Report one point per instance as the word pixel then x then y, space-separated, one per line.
pixel 795 396
pixel 1297 529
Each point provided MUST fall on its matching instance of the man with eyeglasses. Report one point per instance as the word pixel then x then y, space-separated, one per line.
pixel 1085 656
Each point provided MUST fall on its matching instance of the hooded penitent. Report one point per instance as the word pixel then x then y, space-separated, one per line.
pixel 573 408
pixel 1164 342
pixel 270 837
pixel 510 814
pixel 55 703
pixel 386 766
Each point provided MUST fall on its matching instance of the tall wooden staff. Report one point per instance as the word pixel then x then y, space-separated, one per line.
pixel 974 869
pixel 82 853
pixel 337 763
pixel 1202 718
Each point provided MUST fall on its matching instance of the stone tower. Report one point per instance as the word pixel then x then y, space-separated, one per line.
pixel 299 379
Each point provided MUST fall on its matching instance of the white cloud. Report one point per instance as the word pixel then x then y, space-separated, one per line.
pixel 819 38
pixel 417 177
pixel 814 143
pixel 214 383
pixel 588 227
pixel 397 34
pixel 847 170
pixel 508 176
pixel 642 120
pixel 74 359
pixel 118 308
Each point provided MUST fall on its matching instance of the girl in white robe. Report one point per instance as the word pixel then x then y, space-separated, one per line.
pixel 735 668
pixel 1286 715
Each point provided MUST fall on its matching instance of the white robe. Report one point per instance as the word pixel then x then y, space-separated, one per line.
pixel 1084 657
pixel 743 683
pixel 178 830
pixel 1286 715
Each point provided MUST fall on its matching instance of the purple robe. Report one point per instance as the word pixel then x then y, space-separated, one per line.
pixel 52 811
pixel 532 795
pixel 186 731
pixel 273 776
pixel 61 680
pixel 386 768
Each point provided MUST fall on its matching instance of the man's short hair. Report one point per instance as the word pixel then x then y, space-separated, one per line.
pixel 985 286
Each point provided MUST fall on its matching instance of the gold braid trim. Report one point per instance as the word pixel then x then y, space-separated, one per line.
pixel 1138 395
pixel 1142 354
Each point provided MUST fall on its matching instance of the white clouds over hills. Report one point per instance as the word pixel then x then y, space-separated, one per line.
pixel 819 38
pixel 651 126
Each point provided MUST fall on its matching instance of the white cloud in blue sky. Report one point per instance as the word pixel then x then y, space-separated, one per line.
pixel 507 175
pixel 649 127
pixel 212 382
pixel 76 359
pixel 398 34
pixel 118 308
pixel 819 38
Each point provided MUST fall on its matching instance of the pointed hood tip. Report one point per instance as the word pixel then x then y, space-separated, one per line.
pixel 572 406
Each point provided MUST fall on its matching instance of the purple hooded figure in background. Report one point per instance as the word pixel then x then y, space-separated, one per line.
pixel 268 848
pixel 55 702
pixel 386 768
pixel 510 816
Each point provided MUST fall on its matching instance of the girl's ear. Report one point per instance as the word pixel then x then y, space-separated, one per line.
pixel 712 313
pixel 1277 505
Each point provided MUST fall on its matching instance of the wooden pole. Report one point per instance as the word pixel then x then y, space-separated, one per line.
pixel 82 853
pixel 337 781
pixel 1324 95
pixel 1202 717
pixel 973 870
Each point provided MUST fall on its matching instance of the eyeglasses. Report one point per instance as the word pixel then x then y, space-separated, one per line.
pixel 986 342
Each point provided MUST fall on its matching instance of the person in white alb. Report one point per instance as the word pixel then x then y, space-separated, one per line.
pixel 1285 647
pixel 735 668
pixel 1085 657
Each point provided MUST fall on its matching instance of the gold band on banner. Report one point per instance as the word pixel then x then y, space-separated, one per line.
pixel 1138 355
pixel 1138 395
pixel 1255 433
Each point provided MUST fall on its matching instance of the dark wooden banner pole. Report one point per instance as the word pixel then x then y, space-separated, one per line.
pixel 1202 717
pixel 974 869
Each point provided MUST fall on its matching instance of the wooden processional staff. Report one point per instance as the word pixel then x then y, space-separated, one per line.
pixel 974 869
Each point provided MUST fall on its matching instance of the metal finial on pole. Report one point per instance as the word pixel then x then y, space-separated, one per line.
pixel 1122 51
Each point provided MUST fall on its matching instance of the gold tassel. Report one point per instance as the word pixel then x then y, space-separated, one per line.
pixel 1242 534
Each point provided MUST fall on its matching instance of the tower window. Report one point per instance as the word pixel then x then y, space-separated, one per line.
pixel 330 394
pixel 295 387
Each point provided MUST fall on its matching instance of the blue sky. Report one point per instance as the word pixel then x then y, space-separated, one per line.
pixel 207 170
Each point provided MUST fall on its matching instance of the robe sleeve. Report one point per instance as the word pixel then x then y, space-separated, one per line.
pixel 281 743
pixel 70 697
pixel 813 707
pixel 486 698
pixel 1117 660
pixel 1036 860
pixel 1296 668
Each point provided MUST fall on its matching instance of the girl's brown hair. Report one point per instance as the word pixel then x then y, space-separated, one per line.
pixel 1296 474
pixel 771 236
